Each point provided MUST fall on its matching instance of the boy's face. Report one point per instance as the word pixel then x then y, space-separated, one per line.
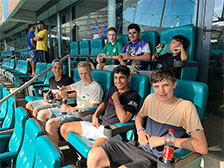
pixel 164 90
pixel 57 69
pixel 32 29
pixel 112 36
pixel 133 35
pixel 174 45
pixel 85 74
pixel 121 81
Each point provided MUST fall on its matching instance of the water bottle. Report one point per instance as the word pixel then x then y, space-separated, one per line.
pixel 169 148
pixel 82 103
pixel 160 49
pixel 64 101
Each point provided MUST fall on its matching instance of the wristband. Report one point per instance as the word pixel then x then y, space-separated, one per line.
pixel 141 129
pixel 115 105
pixel 110 57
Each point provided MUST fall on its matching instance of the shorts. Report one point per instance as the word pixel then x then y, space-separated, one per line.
pixel 39 56
pixel 91 132
pixel 122 153
pixel 32 54
pixel 63 118
pixel 41 104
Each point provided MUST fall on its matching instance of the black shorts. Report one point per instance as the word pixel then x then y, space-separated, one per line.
pixel 121 153
pixel 39 56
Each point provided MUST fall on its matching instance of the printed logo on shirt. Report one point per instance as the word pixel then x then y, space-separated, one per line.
pixel 132 103
pixel 114 50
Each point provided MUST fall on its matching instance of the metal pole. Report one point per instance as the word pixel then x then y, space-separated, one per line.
pixel 7 59
pixel 161 20
pixel 36 77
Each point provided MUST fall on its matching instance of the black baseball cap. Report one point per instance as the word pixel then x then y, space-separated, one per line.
pixel 40 22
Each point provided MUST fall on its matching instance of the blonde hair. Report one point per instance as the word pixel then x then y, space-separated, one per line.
pixel 84 64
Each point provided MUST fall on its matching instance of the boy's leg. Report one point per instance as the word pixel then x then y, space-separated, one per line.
pixel 66 128
pixel 51 127
pixel 43 116
pixel 99 141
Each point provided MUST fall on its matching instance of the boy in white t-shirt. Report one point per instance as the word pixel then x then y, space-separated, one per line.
pixel 89 94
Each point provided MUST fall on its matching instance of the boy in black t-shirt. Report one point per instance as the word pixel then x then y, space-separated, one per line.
pixel 120 105
pixel 177 48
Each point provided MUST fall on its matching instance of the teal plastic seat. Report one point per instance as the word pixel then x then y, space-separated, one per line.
pixel 96 46
pixel 11 142
pixel 123 38
pixel 4 106
pixel 9 120
pixel 140 84
pixel 189 68
pixel 26 156
pixel 84 48
pixel 44 147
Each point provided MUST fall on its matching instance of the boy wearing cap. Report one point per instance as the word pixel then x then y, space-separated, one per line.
pixel 42 43
pixel 88 93
pixel 55 82
pixel 31 44
pixel 163 111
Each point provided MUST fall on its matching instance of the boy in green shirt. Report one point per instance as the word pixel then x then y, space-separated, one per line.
pixel 111 49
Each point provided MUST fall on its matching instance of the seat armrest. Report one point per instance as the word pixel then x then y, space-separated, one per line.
pixel 82 114
pixel 7 156
pixel 118 128
pixel 6 131
pixel 180 64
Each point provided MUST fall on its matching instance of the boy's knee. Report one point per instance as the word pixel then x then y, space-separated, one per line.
pixel 52 124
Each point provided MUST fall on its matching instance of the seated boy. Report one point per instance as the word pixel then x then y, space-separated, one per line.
pixel 56 81
pixel 120 105
pixel 88 92
pixel 134 51
pixel 163 111
pixel 177 48
pixel 111 49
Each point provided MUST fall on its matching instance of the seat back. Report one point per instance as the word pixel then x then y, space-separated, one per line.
pixel 96 46
pixel 152 38
pixel 23 66
pixel 74 47
pixel 26 156
pixel 196 92
pixel 104 78
pixel 123 38
pixel 4 105
pixel 84 47
pixel 40 67
pixel 16 139
pixel 8 121
pixel 187 31
pixel 44 147
pixel 49 74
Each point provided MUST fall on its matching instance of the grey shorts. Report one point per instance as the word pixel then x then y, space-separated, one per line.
pixel 32 53
pixel 63 118
pixel 41 104
pixel 121 153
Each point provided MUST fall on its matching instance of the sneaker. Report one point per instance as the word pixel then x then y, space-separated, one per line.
pixel 32 75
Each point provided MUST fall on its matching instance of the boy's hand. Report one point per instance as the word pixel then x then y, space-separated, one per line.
pixel 95 121
pixel 155 141
pixel 143 138
pixel 116 96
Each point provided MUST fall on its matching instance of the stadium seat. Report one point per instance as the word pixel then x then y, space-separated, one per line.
pixel 96 46
pixel 8 121
pixel 11 142
pixel 44 147
pixel 140 84
pixel 3 106
pixel 123 38
pixel 190 67
pixel 84 48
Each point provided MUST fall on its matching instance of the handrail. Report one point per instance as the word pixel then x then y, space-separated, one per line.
pixel 8 59
pixel 39 75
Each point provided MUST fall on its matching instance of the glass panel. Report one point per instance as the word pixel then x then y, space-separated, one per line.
pixel 88 16
pixel 53 29
pixel 65 30
pixel 150 14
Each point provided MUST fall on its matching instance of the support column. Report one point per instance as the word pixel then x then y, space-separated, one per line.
pixel 111 13
pixel 59 34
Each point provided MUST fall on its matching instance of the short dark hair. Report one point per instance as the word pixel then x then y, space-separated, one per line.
pixel 29 26
pixel 112 29
pixel 134 26
pixel 183 40
pixel 161 74
pixel 122 69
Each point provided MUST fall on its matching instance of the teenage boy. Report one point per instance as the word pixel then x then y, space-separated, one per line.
pixel 55 82
pixel 163 111
pixel 134 51
pixel 111 49
pixel 88 93
pixel 31 44
pixel 42 43
pixel 177 53
pixel 120 105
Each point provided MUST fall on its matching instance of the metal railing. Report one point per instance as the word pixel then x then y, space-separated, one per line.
pixel 8 59
pixel 42 73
